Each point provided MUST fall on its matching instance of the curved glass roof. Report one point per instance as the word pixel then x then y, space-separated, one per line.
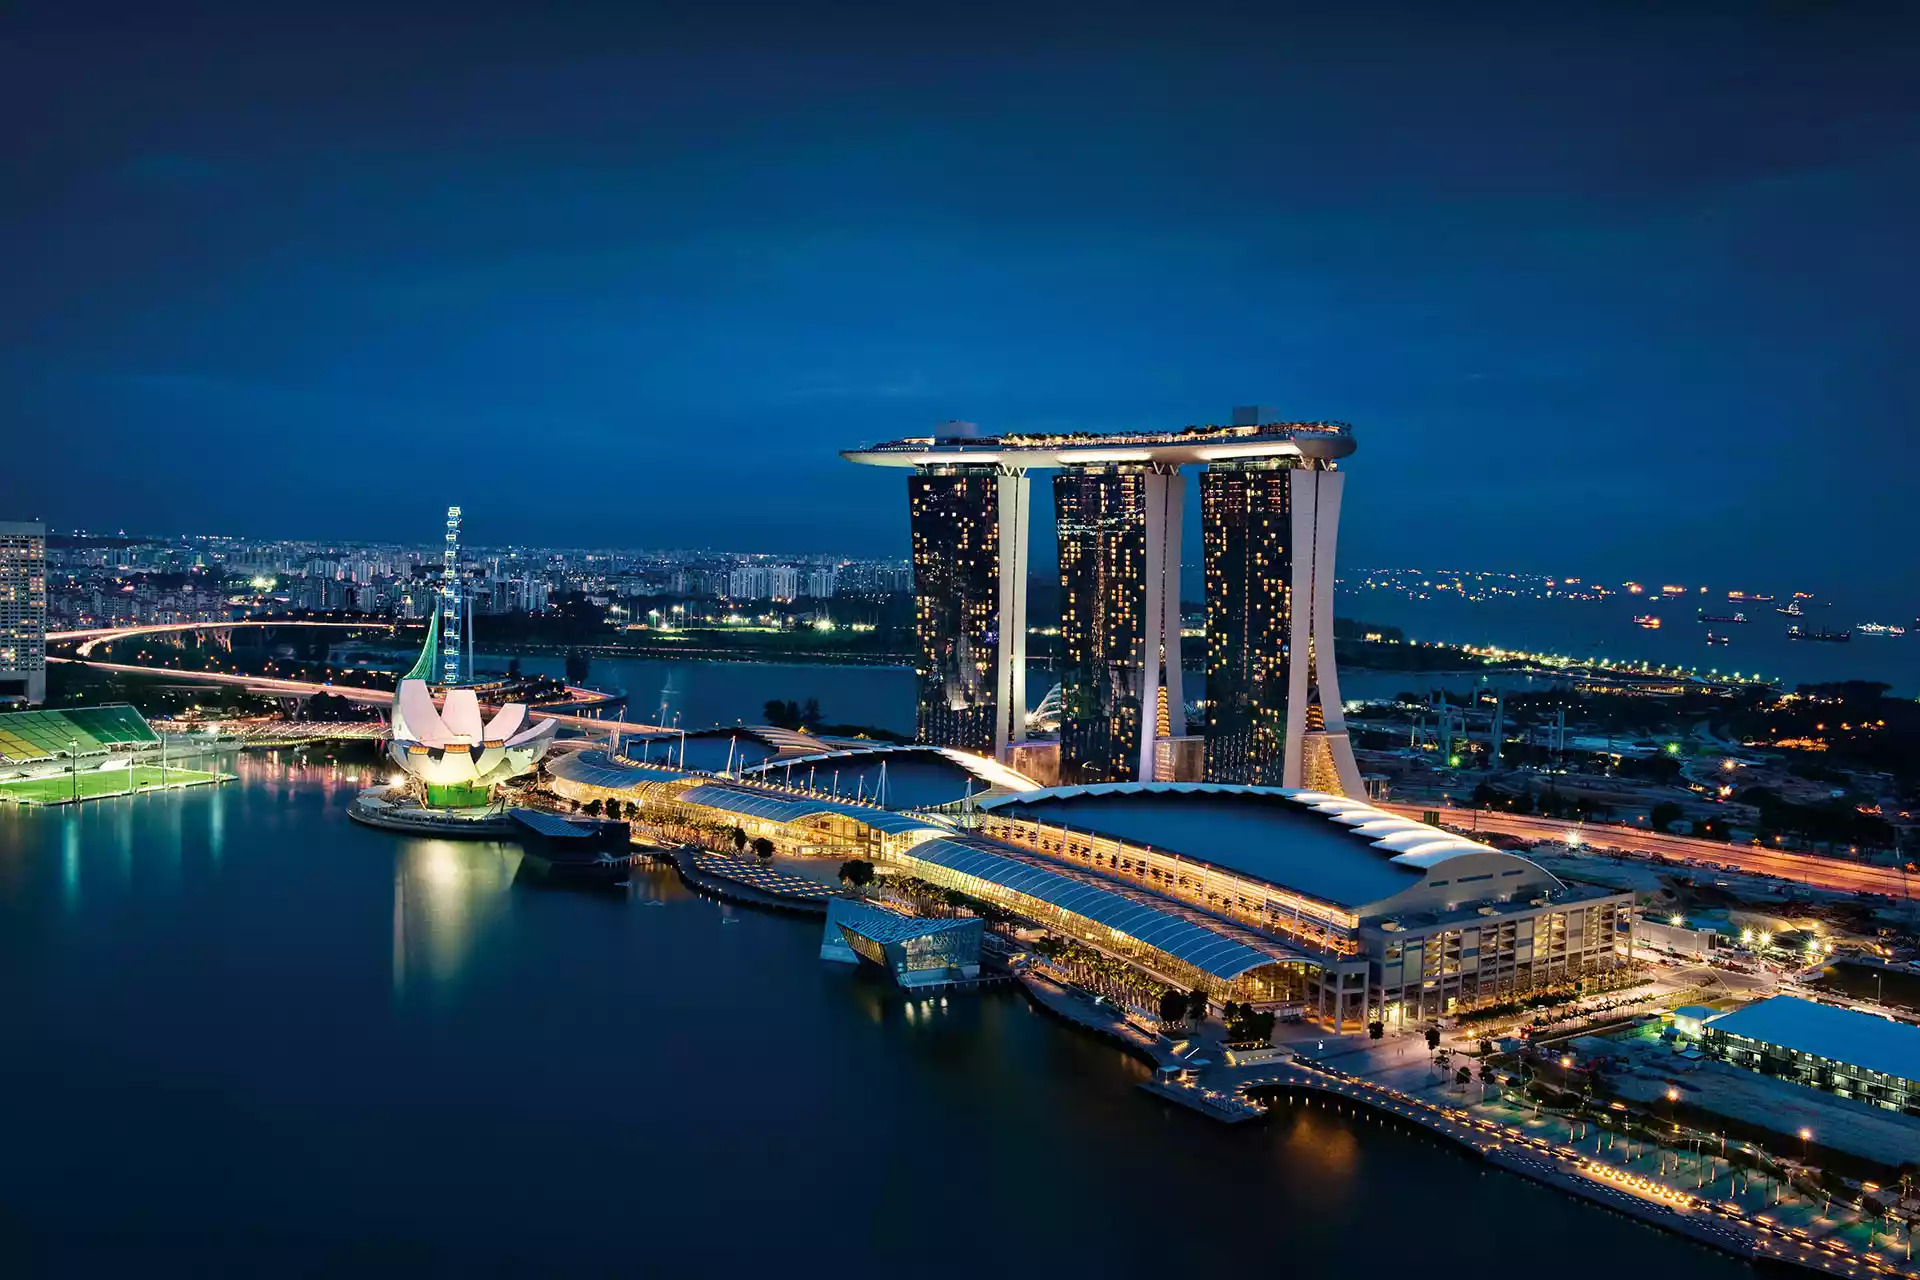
pixel 1341 851
pixel 1214 946
pixel 772 807
pixel 598 769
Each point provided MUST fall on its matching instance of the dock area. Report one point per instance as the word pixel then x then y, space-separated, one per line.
pixel 77 787
pixel 1233 1092
pixel 751 884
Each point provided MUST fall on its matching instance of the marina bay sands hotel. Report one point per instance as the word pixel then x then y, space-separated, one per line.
pixel 1270 512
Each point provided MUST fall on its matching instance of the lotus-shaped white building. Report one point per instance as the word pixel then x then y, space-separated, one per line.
pixel 453 749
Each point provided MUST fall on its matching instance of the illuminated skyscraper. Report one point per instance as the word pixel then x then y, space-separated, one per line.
pixel 1246 534
pixel 1270 501
pixel 1120 692
pixel 1273 700
pixel 969 616
pixel 23 611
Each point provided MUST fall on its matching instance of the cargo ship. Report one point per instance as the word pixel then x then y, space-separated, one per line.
pixel 1880 629
pixel 1723 617
pixel 1821 634
pixel 1715 639
pixel 1647 620
pixel 1792 610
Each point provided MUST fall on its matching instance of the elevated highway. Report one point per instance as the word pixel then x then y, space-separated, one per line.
pixel 1833 874
pixel 92 636
pixel 570 713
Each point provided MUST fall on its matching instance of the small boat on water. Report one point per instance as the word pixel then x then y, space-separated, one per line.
pixel 1647 620
pixel 1821 634
pixel 1715 639
pixel 1792 610
pixel 1723 617
pixel 1880 629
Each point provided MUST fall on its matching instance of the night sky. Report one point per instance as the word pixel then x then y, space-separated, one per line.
pixel 1631 292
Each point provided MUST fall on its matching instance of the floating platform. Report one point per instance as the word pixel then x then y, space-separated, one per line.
pixel 580 850
pixel 75 787
pixel 391 809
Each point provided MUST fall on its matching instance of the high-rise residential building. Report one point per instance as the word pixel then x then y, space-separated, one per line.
pixel 1270 499
pixel 823 583
pixel 23 611
pixel 970 668
pixel 748 582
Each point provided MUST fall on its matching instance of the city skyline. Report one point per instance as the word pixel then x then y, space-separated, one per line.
pixel 282 243
pixel 875 550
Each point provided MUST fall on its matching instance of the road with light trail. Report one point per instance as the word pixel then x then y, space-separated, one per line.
pixel 1834 874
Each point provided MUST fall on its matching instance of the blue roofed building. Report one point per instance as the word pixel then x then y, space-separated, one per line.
pixel 1857 1055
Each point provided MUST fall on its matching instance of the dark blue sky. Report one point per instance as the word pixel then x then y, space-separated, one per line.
pixel 1625 292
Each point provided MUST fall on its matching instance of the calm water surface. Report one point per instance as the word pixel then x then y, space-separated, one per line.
pixel 244 1036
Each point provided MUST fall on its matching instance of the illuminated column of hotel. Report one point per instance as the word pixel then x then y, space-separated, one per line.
pixel 1166 493
pixel 1013 493
pixel 959 599
pixel 1319 756
pixel 1100 517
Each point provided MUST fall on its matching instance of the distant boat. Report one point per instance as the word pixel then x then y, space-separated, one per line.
pixel 1791 610
pixel 1714 639
pixel 1648 620
pixel 1821 634
pixel 1723 617
pixel 1880 629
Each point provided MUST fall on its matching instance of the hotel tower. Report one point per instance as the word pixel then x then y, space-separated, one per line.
pixel 1270 511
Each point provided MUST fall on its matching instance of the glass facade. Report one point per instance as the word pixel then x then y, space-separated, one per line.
pixel 23 612
pixel 1100 516
pixel 1424 974
pixel 956 604
pixel 1246 517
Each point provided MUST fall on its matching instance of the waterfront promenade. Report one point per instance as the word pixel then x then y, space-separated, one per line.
pixel 1694 1193
pixel 750 883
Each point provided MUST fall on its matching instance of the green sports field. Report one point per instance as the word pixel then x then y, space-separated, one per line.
pixel 94 785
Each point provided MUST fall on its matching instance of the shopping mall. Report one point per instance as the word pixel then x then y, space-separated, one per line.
pixel 1277 896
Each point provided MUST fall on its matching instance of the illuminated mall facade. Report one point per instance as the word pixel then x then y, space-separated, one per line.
pixel 1270 496
pixel 1280 896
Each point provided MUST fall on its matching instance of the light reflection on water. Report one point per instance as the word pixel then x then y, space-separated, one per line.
pixel 445 893
pixel 262 1060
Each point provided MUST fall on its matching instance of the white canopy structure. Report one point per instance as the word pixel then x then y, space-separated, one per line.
pixel 452 745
